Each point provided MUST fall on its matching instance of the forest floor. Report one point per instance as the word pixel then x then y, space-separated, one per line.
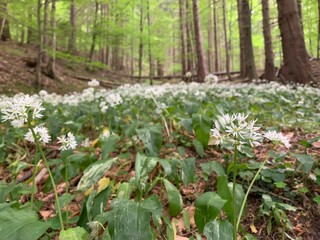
pixel 16 76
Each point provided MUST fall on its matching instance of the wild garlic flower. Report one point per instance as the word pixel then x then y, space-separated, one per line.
pixel 235 130
pixel 93 83
pixel 188 74
pixel 277 137
pixel 41 133
pixel 21 109
pixel 67 141
pixel 211 79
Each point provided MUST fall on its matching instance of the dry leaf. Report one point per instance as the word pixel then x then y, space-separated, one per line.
pixel 181 238
pixel 316 144
pixel 253 228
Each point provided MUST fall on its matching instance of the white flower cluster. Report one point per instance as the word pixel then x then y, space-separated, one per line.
pixel 67 141
pixel 93 83
pixel 160 108
pixel 236 130
pixel 20 109
pixel 277 137
pixel 211 79
pixel 188 74
pixel 42 134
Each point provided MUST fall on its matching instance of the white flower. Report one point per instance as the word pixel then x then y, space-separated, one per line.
pixel 277 137
pixel 20 109
pixel 93 83
pixel 211 79
pixel 41 133
pixel 188 74
pixel 67 141
pixel 86 143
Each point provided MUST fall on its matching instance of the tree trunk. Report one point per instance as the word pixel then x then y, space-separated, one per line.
pixel 39 59
pixel 141 40
pixel 151 74
pixel 210 53
pixel 182 37
pixel 201 64
pixel 30 29
pixel 94 33
pixel 217 59
pixel 250 66
pixel 72 40
pixel 296 67
pixel 226 46
pixel 318 48
pixel 5 30
pixel 188 24
pixel 269 60
pixel 242 40
pixel 45 57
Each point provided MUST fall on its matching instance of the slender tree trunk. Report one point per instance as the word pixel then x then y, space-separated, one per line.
pixel 216 39
pixel 201 65
pixel 45 57
pixel 269 61
pixel 151 74
pixel 40 42
pixel 296 67
pixel 182 37
pixel 30 29
pixel 318 48
pixel 226 46
pixel 72 40
pixel 141 40
pixel 242 40
pixel 188 23
pixel 210 53
pixel 250 66
pixel 5 30
pixel 94 33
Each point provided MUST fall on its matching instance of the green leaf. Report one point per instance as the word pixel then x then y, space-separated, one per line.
pixel 189 171
pixel 201 126
pixel 151 136
pixel 174 197
pixel 317 200
pixel 224 189
pixel 218 230
pixel 124 191
pixel 153 205
pixel 77 233
pixel 108 145
pixel 199 148
pixel 20 225
pixel 100 202
pixel 306 161
pixel 186 219
pixel 128 220
pixel 212 166
pixel 143 166
pixel 93 173
pixel 208 207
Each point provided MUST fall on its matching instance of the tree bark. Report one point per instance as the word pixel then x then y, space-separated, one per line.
pixel 201 63
pixel 5 29
pixel 188 24
pixel 94 33
pixel 151 73
pixel 72 40
pixel 242 40
pixel 217 59
pixel 226 45
pixel 210 53
pixel 250 67
pixel 141 40
pixel 182 37
pixel 318 48
pixel 296 67
pixel 30 31
pixel 269 60
pixel 45 57
pixel 40 42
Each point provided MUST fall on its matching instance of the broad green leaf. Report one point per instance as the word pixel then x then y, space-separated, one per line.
pixel 208 207
pixel 124 191
pixel 201 126
pixel 100 202
pixel 189 171
pixel 219 230
pixel 225 191
pixel 153 205
pixel 174 197
pixel 199 148
pixel 212 166
pixel 151 136
pixel 94 172
pixel 108 145
pixel 77 233
pixel 186 219
pixel 128 220
pixel 20 225
pixel 187 124
pixel 143 166
pixel 306 161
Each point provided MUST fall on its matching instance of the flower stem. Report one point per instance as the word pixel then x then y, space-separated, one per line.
pixel 67 194
pixel 247 194
pixel 50 175
pixel 234 199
